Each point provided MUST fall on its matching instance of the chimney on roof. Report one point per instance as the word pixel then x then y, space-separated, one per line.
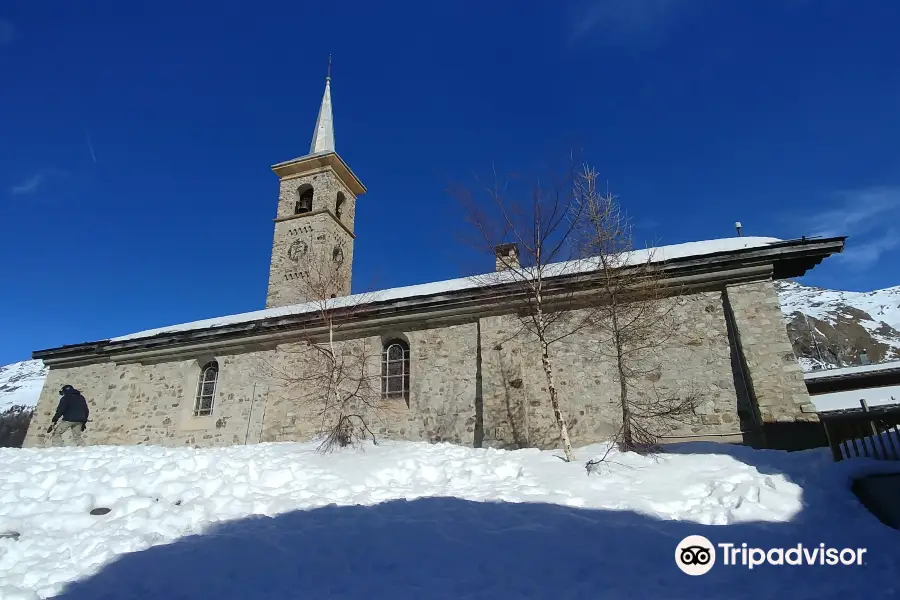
pixel 507 257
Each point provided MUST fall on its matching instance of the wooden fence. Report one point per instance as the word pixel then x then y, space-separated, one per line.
pixel 872 432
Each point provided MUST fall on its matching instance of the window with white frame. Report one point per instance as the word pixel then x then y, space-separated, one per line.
pixel 395 370
pixel 206 389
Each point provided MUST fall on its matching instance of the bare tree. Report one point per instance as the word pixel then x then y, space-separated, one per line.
pixel 635 314
pixel 334 380
pixel 531 238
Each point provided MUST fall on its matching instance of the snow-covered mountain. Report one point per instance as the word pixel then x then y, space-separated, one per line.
pixel 21 383
pixel 832 327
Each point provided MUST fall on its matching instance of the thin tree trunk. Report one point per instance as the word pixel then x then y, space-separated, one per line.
pixel 548 373
pixel 627 440
pixel 554 402
pixel 334 374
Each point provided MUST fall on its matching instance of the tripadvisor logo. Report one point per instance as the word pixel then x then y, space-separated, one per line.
pixel 696 555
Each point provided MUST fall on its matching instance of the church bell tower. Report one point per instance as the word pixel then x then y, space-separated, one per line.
pixel 312 249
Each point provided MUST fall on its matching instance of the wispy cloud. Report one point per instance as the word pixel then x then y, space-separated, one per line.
pixel 866 216
pixel 28 186
pixel 867 253
pixel 619 21
pixel 7 31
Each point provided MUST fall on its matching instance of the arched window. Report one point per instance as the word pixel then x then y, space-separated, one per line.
pixel 339 205
pixel 206 389
pixel 395 370
pixel 304 200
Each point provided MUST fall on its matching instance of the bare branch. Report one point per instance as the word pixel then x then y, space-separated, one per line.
pixel 332 381
pixel 636 317
pixel 541 227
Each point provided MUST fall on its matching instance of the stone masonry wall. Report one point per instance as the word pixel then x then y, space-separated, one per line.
pixel 695 360
pixel 443 382
pixel 91 380
pixel 774 375
pixel 290 274
pixel 442 394
pixel 467 380
pixel 293 408
pixel 153 404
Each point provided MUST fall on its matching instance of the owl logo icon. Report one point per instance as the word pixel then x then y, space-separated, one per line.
pixel 695 555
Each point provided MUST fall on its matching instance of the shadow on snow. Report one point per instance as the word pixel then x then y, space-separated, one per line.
pixel 435 548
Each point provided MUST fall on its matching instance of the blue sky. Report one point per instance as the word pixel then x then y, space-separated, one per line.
pixel 136 137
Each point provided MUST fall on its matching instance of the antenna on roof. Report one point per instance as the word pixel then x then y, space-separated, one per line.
pixel 737 225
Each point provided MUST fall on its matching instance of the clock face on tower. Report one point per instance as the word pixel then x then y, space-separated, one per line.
pixel 297 250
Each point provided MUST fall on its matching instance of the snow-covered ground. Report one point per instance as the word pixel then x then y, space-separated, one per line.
pixel 405 520
pixel 21 383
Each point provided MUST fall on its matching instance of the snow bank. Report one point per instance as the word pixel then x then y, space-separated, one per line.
pixel 405 520
pixel 21 383
pixel 660 254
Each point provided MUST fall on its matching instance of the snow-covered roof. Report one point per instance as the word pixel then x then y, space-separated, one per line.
pixel 660 254
pixel 854 370
pixel 878 396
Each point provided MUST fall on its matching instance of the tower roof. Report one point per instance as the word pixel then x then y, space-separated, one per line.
pixel 323 136
pixel 321 151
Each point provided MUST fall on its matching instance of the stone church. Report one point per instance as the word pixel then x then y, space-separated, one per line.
pixel 451 369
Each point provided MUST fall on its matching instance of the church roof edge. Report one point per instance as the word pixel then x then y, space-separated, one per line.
pixel 795 256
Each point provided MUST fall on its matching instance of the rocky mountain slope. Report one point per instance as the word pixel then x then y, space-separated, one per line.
pixel 20 384
pixel 826 327
pixel 832 327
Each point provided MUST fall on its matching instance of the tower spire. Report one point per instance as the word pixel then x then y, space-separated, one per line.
pixel 323 136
